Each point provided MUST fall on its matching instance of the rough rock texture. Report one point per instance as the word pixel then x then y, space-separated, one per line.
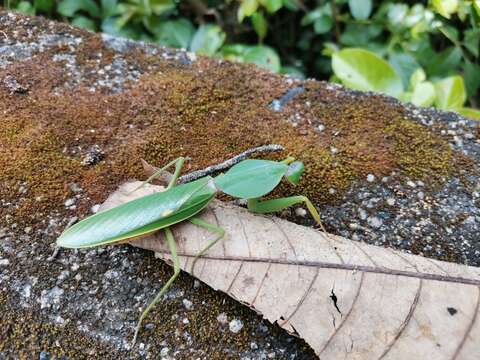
pixel 79 110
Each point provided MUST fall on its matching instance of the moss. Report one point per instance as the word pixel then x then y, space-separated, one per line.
pixel 24 335
pixel 420 154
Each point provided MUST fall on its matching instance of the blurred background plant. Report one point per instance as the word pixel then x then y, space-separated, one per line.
pixel 424 52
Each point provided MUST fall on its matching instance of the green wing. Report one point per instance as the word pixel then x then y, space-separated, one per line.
pixel 251 178
pixel 140 216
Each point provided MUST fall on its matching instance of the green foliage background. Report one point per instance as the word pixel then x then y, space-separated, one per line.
pixel 424 52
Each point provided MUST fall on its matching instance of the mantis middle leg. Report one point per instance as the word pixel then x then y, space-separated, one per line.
pixel 176 271
pixel 206 225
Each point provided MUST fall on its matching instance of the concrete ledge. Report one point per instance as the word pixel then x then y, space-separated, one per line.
pixel 79 110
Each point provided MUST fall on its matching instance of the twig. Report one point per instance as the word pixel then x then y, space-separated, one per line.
pixel 229 163
pixel 54 254
pixel 333 6
pixel 165 177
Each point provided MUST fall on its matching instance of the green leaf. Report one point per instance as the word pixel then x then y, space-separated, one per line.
pixel 84 22
pixel 129 31
pixel 260 25
pixel 160 7
pixel 292 5
pixel 360 9
pixel 25 7
pixel 311 16
pixel 469 113
pixel 363 70
pixel 272 6
pixel 109 8
pixel 476 5
pixel 246 9
pixel 356 35
pixel 451 93
pixel 445 7
pixel 417 77
pixel 396 14
pixel 263 56
pixel 471 41
pixel 251 179
pixel 174 33
pixel 405 65
pixel 234 52
pixel 207 40
pixel 69 7
pixel 444 63
pixel 323 24
pixel 423 94
pixel 450 32
pixel 44 5
pixel 471 74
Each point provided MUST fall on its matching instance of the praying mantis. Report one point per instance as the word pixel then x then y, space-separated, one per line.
pixel 249 179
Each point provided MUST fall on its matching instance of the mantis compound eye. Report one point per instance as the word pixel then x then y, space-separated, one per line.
pixel 294 172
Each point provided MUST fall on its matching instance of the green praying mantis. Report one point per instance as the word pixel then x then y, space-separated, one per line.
pixel 249 179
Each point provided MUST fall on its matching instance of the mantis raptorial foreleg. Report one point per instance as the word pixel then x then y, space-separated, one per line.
pixel 176 270
pixel 202 223
pixel 270 206
pixel 178 162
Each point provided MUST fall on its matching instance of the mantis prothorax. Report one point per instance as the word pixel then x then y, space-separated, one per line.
pixel 249 179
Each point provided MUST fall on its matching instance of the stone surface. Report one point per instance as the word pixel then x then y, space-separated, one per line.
pixel 79 110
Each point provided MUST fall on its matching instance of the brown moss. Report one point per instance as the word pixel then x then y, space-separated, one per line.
pixel 24 335
pixel 419 153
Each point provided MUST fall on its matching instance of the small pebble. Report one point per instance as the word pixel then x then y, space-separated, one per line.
pixel 321 127
pixel 28 230
pixel 370 178
pixel 301 212
pixel 44 356
pixel 94 209
pixel 187 304
pixel 253 346
pixel 375 222
pixel 70 202
pixel 411 184
pixel 222 318
pixel 4 262
pixel 164 352
pixel 235 326
pixel 421 195
pixel 391 201
pixel 185 321
pixel 75 188
pixel 362 214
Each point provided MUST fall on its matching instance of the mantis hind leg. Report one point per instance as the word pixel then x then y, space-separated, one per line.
pixel 176 271
pixel 202 223
pixel 270 206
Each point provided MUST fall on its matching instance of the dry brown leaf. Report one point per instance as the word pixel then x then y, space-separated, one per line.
pixel 348 300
